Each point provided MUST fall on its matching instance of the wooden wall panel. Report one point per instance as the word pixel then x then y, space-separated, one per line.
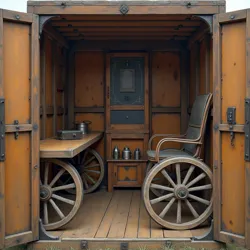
pixel 192 83
pixel 165 79
pixel 48 68
pixel 54 72
pixel 97 120
pixel 202 61
pixel 89 79
pixel 166 124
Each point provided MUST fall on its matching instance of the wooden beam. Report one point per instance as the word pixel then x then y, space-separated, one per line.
pixel 135 7
pixel 89 110
pixel 129 45
pixel 53 33
pixel 198 35
pixel 166 109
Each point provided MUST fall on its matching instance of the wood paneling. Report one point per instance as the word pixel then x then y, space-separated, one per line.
pixel 96 125
pixel 202 61
pixel 165 124
pixel 89 79
pixel 165 79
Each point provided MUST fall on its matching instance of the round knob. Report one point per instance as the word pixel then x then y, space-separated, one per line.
pixel 126 117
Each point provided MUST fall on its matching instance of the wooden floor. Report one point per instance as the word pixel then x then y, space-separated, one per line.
pixel 119 215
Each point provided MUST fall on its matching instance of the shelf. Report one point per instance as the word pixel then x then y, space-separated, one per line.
pixel 143 159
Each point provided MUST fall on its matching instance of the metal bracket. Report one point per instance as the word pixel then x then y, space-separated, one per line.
pixel 16 134
pixel 207 236
pixel 84 245
pixel 124 246
pixel 124 9
pixel 247 129
pixel 42 21
pixel 43 235
pixel 208 19
pixel 231 120
pixel 2 130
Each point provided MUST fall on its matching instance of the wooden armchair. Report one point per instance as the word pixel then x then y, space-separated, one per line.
pixel 193 139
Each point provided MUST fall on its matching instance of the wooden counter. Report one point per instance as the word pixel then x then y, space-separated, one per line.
pixel 53 148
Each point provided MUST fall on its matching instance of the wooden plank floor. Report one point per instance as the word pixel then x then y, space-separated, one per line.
pixel 118 215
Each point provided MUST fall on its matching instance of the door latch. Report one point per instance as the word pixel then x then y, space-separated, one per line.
pixel 16 133
pixel 2 130
pixel 231 120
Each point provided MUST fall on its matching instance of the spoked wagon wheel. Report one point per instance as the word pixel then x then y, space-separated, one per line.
pixel 91 169
pixel 58 206
pixel 182 206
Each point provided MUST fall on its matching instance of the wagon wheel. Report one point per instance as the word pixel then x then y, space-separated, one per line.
pixel 181 207
pixel 91 169
pixel 59 208
pixel 158 179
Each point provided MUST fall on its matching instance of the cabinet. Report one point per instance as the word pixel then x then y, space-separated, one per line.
pixel 127 116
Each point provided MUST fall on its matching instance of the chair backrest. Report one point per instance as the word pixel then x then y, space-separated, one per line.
pixel 197 122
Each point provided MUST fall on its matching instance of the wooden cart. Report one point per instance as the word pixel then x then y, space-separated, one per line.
pixel 71 169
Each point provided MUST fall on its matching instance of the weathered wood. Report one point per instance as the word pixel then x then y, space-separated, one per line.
pixel 53 148
pixel 2 165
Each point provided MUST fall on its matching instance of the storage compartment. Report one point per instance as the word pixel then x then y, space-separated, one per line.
pixel 133 76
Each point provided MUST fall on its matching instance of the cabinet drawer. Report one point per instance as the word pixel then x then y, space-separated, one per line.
pixel 127 117
pixel 127 174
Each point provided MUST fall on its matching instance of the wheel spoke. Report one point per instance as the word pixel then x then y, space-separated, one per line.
pixel 168 206
pixel 193 211
pixel 90 178
pixel 84 157
pixel 60 198
pixel 190 171
pixel 59 174
pixel 45 213
pixel 178 174
pixel 58 210
pixel 92 166
pixel 85 183
pixel 209 186
pixel 198 178
pixel 92 171
pixel 46 173
pixel 161 198
pixel 64 187
pixel 178 219
pixel 156 186
pixel 206 202
pixel 89 161
pixel 165 174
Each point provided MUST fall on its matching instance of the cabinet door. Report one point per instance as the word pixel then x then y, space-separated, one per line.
pixel 127 175
pixel 19 128
pixel 231 163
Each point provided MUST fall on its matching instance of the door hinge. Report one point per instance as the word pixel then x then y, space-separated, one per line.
pixel 2 129
pixel 247 129
pixel 124 246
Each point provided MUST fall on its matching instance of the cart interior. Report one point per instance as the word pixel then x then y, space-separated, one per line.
pixel 131 77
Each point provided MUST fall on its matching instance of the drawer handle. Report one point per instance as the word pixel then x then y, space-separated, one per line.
pixel 127 117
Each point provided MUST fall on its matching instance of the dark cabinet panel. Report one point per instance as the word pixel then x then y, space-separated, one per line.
pixel 127 81
pixel 127 117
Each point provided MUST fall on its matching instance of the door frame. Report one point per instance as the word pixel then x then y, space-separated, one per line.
pixel 218 127
pixel 32 234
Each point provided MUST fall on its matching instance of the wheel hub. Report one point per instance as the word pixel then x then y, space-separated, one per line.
pixel 45 193
pixel 181 192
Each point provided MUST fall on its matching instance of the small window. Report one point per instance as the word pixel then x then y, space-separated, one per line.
pixel 127 80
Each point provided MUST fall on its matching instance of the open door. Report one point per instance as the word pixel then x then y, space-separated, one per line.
pixel 19 128
pixel 231 110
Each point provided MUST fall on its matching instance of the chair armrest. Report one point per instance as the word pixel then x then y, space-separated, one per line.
pixel 157 151
pixel 162 135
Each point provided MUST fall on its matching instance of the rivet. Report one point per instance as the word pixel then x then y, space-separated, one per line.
pixel 232 17
pixel 17 17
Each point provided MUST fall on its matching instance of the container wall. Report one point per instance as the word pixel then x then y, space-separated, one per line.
pixel 201 83
pixel 53 62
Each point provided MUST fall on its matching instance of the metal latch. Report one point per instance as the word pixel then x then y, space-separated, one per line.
pixel 247 129
pixel 16 134
pixel 2 129
pixel 124 246
pixel 231 120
